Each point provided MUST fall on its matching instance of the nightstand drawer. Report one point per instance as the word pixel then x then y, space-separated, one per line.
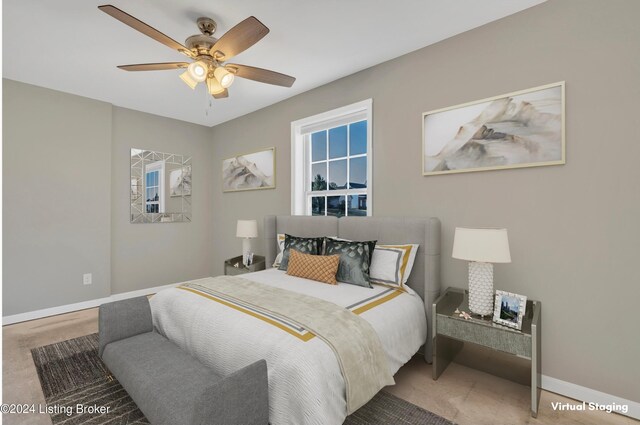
pixel 492 337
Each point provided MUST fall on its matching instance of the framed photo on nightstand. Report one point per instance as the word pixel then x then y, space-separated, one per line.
pixel 509 309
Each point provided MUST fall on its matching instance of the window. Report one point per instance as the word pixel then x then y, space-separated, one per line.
pixel 154 187
pixel 331 163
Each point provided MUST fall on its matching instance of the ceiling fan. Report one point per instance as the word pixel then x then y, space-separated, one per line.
pixel 208 54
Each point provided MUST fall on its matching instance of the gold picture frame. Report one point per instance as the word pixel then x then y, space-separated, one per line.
pixel 496 133
pixel 251 171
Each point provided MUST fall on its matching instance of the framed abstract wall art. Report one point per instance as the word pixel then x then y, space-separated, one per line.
pixel 250 172
pixel 180 182
pixel 520 129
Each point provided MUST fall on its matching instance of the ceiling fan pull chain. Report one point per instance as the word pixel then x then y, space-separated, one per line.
pixel 208 103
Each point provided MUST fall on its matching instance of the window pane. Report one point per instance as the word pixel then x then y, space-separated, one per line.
pixel 319 176
pixel 338 142
pixel 152 179
pixel 152 192
pixel 335 205
pixel 338 174
pixel 319 146
pixel 317 205
pixel 358 205
pixel 358 138
pixel 358 173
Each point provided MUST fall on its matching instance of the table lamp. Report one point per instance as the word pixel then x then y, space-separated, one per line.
pixel 246 229
pixel 481 247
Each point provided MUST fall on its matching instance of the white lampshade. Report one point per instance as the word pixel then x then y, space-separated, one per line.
pixel 247 229
pixel 198 71
pixel 186 77
pixel 214 86
pixel 484 245
pixel 224 77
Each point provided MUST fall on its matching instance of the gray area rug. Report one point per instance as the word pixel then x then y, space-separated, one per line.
pixel 71 373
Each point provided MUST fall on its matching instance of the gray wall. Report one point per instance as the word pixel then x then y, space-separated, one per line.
pixel 56 198
pixel 148 255
pixel 573 229
pixel 66 201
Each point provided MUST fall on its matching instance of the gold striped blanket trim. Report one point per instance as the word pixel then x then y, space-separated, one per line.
pixel 282 323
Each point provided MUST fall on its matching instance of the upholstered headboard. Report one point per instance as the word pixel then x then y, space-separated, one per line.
pixel 425 276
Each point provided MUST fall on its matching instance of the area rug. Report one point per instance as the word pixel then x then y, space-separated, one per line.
pixel 71 373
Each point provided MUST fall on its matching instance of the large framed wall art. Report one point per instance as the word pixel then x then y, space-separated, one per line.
pixel 520 129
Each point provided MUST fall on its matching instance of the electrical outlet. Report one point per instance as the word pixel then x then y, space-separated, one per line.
pixel 86 278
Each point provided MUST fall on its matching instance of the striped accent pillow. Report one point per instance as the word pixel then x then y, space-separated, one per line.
pixel 278 260
pixel 322 268
pixel 391 264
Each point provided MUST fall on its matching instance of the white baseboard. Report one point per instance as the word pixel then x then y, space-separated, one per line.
pixel 54 311
pixel 589 395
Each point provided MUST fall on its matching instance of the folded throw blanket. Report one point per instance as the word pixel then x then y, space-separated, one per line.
pixel 362 360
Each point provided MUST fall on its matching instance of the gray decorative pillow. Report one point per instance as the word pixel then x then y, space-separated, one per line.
pixel 354 260
pixel 311 246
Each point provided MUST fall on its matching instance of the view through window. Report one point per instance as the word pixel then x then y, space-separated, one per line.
pixel 338 170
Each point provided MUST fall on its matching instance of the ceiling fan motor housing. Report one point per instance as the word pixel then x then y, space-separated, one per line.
pixel 200 43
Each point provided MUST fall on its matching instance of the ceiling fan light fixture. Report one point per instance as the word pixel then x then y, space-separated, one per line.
pixel 186 77
pixel 224 77
pixel 214 86
pixel 209 54
pixel 198 71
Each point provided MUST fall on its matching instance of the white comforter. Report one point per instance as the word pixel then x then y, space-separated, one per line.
pixel 305 382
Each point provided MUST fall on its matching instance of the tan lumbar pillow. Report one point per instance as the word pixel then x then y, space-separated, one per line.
pixel 322 268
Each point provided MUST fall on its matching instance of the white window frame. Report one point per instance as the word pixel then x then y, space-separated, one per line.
pixel 155 166
pixel 300 155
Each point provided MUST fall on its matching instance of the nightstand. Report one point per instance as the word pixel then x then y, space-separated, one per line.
pixel 233 266
pixel 450 332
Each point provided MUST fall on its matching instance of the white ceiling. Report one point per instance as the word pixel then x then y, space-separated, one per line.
pixel 71 46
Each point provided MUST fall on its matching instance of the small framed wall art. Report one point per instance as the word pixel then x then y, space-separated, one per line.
pixel 180 182
pixel 252 171
pixel 514 130
pixel 509 309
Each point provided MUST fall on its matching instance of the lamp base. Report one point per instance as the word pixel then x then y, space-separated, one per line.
pixel 246 249
pixel 481 288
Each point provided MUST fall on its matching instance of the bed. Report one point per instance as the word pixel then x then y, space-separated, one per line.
pixel 306 384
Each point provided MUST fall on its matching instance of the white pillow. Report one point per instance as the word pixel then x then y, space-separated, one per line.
pixel 391 264
pixel 280 239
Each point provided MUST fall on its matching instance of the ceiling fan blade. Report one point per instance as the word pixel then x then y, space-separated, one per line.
pixel 222 94
pixel 154 66
pixel 239 38
pixel 148 30
pixel 262 75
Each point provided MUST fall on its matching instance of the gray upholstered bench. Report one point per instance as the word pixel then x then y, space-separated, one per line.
pixel 170 386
